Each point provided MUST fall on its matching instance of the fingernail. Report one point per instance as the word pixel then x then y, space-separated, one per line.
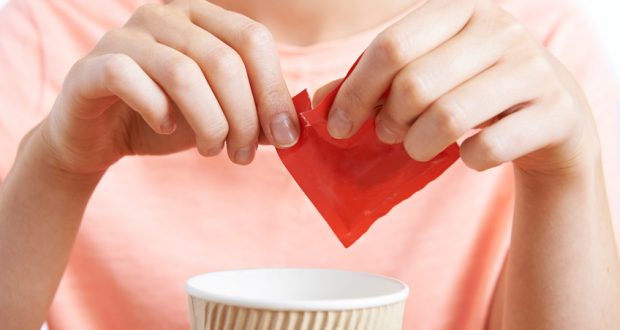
pixel 215 150
pixel 385 134
pixel 283 130
pixel 339 124
pixel 244 155
pixel 168 126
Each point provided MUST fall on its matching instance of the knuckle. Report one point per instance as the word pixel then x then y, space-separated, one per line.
pixel 115 69
pixel 114 34
pixel 256 35
pixel 79 65
pixel 181 73
pixel 519 40
pixel 447 118
pixel 112 39
pixel 413 88
pixel 223 60
pixel 529 52
pixel 147 13
pixel 517 33
pixel 502 28
pixel 511 29
pixel 71 81
pixel 537 63
pixel 183 5
pixel 390 48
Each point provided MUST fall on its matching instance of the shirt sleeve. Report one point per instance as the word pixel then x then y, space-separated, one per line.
pixel 21 78
pixel 575 44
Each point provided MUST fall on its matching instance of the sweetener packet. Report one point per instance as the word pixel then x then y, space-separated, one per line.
pixel 355 181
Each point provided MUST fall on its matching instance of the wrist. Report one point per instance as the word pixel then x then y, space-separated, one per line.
pixel 37 155
pixel 583 177
pixel 573 189
pixel 574 161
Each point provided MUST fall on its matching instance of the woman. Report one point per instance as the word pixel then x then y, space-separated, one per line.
pixel 477 247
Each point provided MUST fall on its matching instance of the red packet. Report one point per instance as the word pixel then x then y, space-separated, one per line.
pixel 355 181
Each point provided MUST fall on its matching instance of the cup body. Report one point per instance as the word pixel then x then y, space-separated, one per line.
pixel 295 299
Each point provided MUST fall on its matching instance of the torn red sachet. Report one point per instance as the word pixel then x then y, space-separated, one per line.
pixel 355 181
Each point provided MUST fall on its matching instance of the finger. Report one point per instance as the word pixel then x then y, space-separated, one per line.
pixel 143 140
pixel 118 75
pixel 183 81
pixel 322 92
pixel 259 53
pixel 494 91
pixel 424 80
pixel 513 137
pixel 408 39
pixel 262 139
pixel 223 68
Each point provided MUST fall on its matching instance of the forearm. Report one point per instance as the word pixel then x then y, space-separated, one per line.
pixel 40 211
pixel 562 271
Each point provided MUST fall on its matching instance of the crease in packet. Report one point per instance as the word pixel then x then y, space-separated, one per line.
pixel 355 181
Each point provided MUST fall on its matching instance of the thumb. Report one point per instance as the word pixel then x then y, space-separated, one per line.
pixel 320 94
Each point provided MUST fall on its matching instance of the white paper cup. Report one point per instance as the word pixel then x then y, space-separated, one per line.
pixel 299 299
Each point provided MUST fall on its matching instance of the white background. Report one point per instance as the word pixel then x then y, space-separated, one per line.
pixel 604 14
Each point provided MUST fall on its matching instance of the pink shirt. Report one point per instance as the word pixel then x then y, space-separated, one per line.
pixel 155 221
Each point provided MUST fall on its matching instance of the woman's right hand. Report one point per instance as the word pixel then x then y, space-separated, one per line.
pixel 184 74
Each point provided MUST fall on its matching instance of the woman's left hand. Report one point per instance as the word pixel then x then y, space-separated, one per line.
pixel 458 65
pixel 453 66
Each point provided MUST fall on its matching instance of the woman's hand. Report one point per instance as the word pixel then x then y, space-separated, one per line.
pixel 457 65
pixel 176 75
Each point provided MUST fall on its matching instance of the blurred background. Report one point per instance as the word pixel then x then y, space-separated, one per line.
pixel 604 15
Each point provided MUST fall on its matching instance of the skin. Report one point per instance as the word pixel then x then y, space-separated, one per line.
pixel 222 83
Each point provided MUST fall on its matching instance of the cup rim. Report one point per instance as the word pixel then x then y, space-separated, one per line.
pixel 397 296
